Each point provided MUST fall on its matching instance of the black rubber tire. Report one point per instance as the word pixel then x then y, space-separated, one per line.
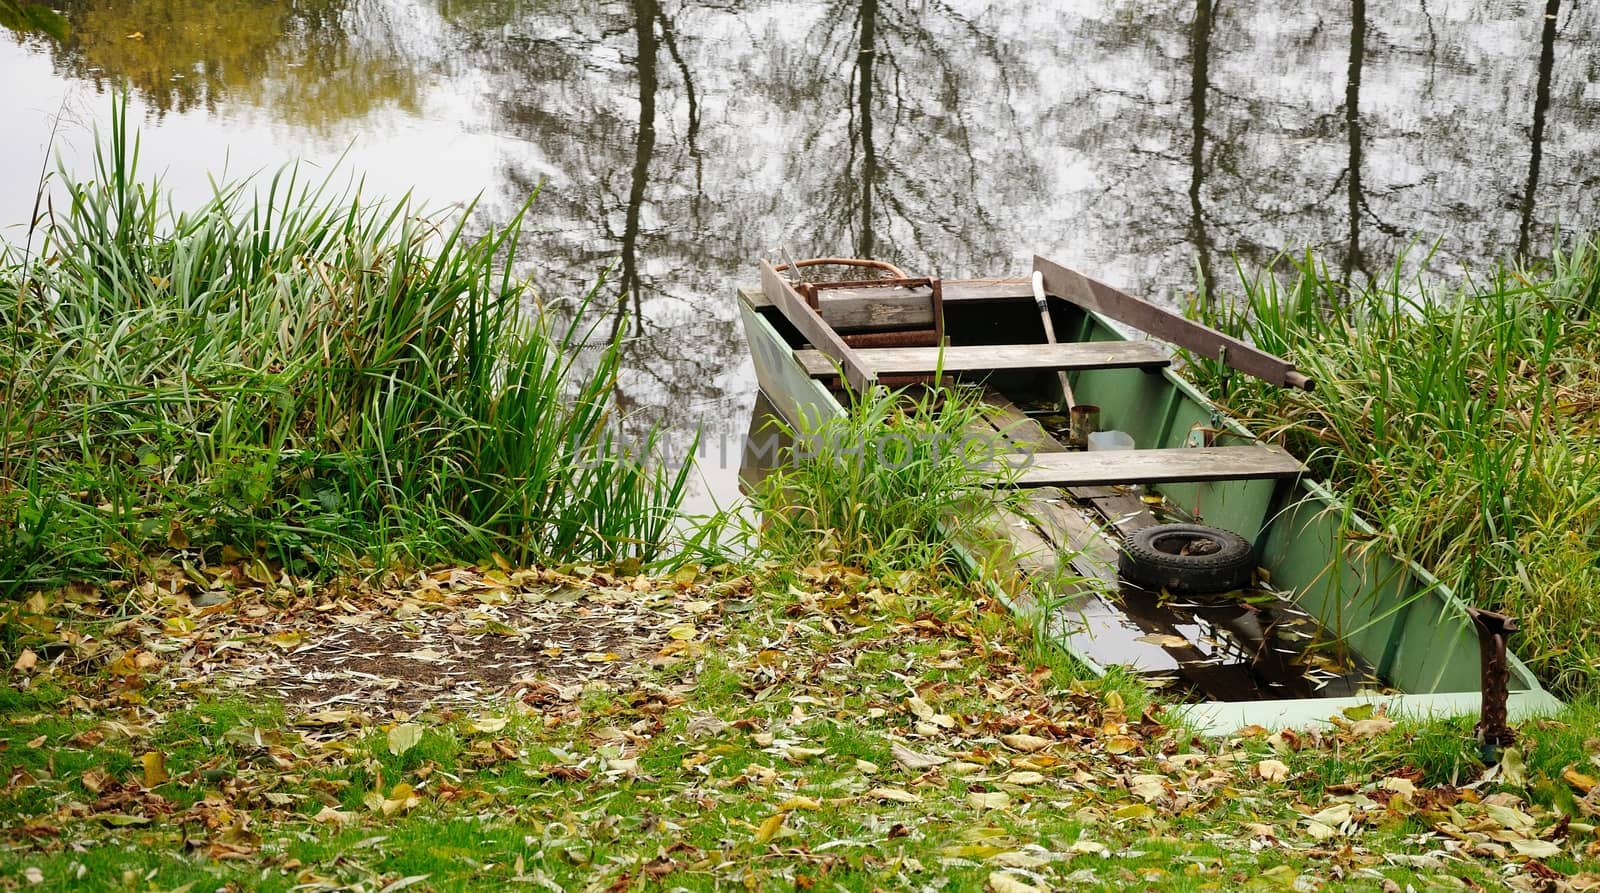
pixel 1150 559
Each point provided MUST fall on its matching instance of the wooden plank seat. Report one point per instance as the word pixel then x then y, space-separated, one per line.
pixel 998 357
pixel 879 307
pixel 1165 466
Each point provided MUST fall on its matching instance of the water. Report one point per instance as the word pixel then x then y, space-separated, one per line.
pixel 676 142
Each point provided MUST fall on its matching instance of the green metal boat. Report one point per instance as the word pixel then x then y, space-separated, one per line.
pixel 1336 621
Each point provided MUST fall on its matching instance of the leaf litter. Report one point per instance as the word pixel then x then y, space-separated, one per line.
pixel 456 637
pixel 608 731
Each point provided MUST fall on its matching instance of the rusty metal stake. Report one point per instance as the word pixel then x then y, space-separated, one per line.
pixel 1492 731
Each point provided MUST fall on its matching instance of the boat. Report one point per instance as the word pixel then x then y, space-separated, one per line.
pixel 1331 623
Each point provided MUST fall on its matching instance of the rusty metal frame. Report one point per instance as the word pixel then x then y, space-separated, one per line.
pixel 883 265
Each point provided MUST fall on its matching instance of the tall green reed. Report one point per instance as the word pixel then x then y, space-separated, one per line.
pixel 313 378
pixel 895 483
pixel 1463 422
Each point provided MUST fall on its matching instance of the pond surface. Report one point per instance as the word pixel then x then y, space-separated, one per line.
pixel 677 142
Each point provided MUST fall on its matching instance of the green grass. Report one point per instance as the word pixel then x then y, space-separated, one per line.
pixel 1462 422
pixel 733 805
pixel 318 380
pixel 892 485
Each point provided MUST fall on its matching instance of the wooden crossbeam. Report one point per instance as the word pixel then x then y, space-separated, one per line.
pixel 1166 466
pixel 998 357
pixel 881 308
pixel 1094 295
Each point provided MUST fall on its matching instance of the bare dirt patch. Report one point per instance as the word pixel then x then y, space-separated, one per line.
pixel 462 638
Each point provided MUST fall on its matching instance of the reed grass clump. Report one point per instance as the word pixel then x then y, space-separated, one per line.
pixel 890 485
pixel 300 378
pixel 1466 423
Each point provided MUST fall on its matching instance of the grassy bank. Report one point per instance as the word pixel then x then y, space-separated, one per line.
pixel 1464 422
pixel 311 380
pixel 832 730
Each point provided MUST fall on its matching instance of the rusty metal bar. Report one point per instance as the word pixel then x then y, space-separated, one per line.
pixel 914 338
pixel 901 282
pixel 845 262
pixel 1493 732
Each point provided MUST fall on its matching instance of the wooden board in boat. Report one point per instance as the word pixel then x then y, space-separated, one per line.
pixel 996 358
pixel 1167 466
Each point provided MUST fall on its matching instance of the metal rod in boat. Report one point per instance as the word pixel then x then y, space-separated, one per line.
pixel 1050 336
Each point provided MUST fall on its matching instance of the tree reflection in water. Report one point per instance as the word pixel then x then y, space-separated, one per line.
pixel 931 154
pixel 1148 143
pixel 310 63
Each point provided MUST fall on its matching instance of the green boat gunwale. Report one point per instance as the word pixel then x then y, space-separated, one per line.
pixel 1420 637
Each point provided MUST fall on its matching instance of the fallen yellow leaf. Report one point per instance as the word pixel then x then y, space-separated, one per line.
pixel 331 816
pixel 898 795
pixel 1120 744
pixel 971 851
pixel 288 641
pixel 1403 787
pixel 402 798
pixel 155 768
pixel 1147 787
pixel 1584 783
pixel 915 760
pixel 1369 728
pixel 1514 819
pixel 1163 641
pixel 403 737
pixel 770 826
pixel 1536 849
pixel 1018 859
pixel 794 803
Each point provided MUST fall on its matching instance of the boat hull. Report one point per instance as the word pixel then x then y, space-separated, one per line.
pixel 1390 611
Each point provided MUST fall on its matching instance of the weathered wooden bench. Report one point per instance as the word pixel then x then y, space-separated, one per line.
pixel 1165 466
pixel 996 358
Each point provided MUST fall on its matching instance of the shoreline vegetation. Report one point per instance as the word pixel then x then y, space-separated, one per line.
pixel 319 569
pixel 1463 422
pixel 315 381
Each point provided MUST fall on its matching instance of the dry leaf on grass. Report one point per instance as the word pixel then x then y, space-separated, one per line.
pixel 1272 770
pixel 1000 882
pixel 914 760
